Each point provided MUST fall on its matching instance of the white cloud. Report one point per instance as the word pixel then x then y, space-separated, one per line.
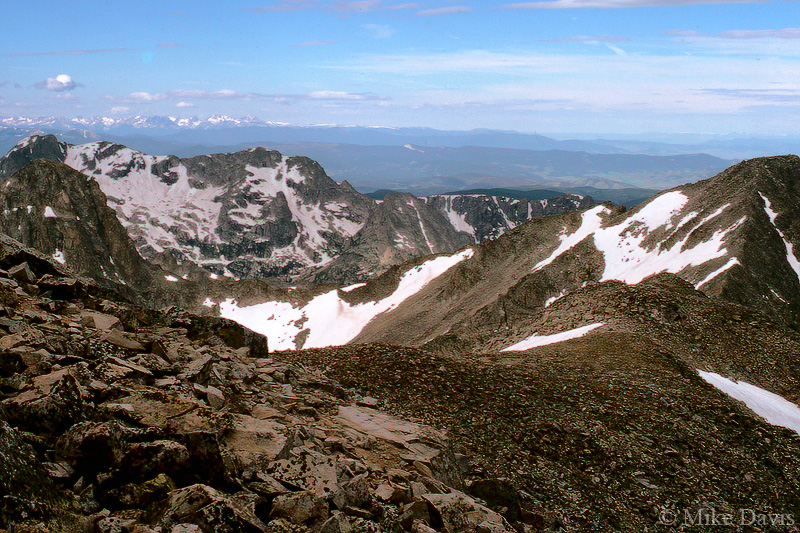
pixel 60 83
pixel 182 94
pixel 119 110
pixel 141 97
pixel 595 82
pixel 184 104
pixel 340 95
pixel 357 6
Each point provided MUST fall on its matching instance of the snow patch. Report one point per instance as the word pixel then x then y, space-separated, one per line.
pixel 208 302
pixel 353 287
pixel 49 213
pixel 790 255
pixel 58 256
pixel 771 407
pixel 170 278
pixel 550 301
pixel 731 262
pixel 535 340
pixel 329 320
pixel 626 257
pixel 409 147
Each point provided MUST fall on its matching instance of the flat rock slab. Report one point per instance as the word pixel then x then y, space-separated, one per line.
pixel 382 426
pixel 99 320
pixel 251 439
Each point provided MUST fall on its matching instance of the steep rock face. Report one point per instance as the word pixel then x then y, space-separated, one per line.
pixel 733 237
pixel 63 214
pixel 252 213
pixel 401 227
pixel 487 217
pixel 258 213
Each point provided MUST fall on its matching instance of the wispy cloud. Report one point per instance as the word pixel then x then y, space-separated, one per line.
pixel 442 11
pixel 69 52
pixel 761 95
pixel 142 97
pixel 357 6
pixel 616 4
pixel 286 5
pixel 305 44
pixel 169 45
pixel 783 33
pixel 341 95
pixel 330 97
pixel 379 31
pixel 586 39
pixel 60 83
pixel 597 81
pixel 342 7
pixel 120 110
pixel 183 94
pixel 184 104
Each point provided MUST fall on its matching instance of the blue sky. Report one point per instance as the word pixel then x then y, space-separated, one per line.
pixel 557 66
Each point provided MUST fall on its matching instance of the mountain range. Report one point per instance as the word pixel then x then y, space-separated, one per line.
pixel 594 368
pixel 258 213
pixel 417 160
pixel 174 133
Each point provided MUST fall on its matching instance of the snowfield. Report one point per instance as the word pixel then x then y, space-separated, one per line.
pixel 328 319
pixel 626 256
pixel 771 407
pixel 535 340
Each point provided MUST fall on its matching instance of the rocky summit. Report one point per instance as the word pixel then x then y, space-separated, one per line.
pixel 260 214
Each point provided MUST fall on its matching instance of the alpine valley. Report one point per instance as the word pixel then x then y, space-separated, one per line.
pixel 453 363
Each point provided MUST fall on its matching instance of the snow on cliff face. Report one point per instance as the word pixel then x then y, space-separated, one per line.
pixel 253 212
pixel 630 257
pixel 485 216
pixel 328 319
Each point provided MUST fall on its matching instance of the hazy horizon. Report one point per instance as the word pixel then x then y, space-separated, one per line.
pixel 557 67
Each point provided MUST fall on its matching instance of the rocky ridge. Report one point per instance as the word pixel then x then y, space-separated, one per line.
pixel 258 213
pixel 716 234
pixel 119 418
pixel 488 216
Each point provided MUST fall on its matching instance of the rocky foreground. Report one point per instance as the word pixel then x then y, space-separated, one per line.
pixel 115 418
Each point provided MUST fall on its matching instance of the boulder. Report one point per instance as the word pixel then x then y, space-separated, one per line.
pixel 145 459
pixel 310 471
pixel 98 446
pixel 206 507
pixel 62 407
pixel 458 512
pixel 299 507
pixel 139 495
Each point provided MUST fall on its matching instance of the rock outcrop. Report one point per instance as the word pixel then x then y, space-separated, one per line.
pixel 260 214
pixel 114 417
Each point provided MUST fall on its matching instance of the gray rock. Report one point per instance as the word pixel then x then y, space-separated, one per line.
pixel 206 507
pixel 458 512
pixel 299 507
pixel 337 523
